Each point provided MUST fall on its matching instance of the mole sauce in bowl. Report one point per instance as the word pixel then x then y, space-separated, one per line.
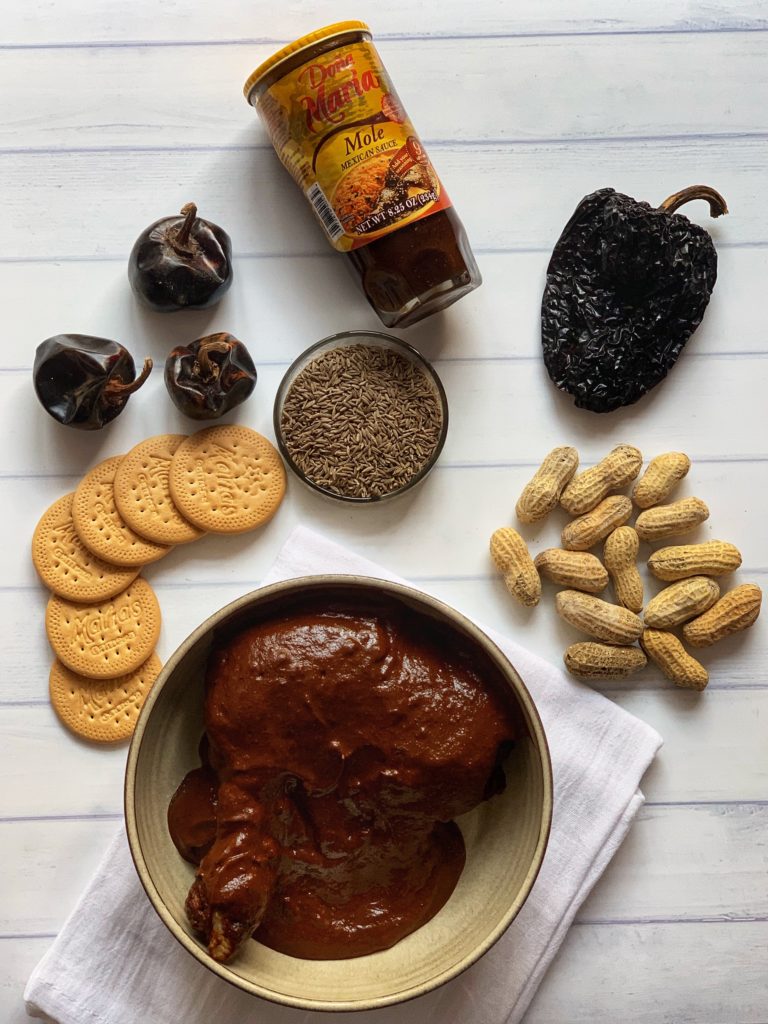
pixel 345 718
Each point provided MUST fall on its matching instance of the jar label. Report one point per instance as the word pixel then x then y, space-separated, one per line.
pixel 339 128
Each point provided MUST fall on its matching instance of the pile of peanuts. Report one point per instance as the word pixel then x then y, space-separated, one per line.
pixel 692 601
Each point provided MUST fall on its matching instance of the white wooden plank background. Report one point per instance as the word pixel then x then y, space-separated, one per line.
pixel 118 114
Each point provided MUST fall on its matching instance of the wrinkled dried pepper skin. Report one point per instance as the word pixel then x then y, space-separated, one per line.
pixel 626 287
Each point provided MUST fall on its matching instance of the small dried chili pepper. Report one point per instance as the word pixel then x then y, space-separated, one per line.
pixel 85 382
pixel 626 287
pixel 181 262
pixel 210 376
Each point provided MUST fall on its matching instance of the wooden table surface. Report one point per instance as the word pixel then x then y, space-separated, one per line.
pixel 117 114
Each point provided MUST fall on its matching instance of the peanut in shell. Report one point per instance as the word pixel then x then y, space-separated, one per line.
pixel 588 660
pixel 736 610
pixel 584 532
pixel 664 472
pixel 675 662
pixel 620 557
pixel 542 493
pixel 577 570
pixel 712 558
pixel 671 520
pixel 616 470
pixel 513 560
pixel 681 601
pixel 600 619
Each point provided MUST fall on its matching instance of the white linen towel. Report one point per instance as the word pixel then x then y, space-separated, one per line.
pixel 114 962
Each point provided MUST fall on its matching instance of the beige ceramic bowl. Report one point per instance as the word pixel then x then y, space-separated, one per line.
pixel 505 837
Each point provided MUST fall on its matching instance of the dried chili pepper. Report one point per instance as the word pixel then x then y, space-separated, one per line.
pixel 181 262
pixel 83 381
pixel 626 287
pixel 210 376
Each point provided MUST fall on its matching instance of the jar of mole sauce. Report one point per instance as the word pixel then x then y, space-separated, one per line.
pixel 339 128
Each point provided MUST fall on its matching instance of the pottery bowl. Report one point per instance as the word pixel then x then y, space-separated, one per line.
pixel 505 837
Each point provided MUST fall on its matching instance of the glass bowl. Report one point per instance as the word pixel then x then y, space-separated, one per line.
pixel 376 340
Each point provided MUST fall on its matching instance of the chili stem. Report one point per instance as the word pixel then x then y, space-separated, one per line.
pixel 212 344
pixel 717 205
pixel 118 388
pixel 180 241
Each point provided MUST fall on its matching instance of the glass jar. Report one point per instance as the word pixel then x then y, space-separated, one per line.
pixel 340 130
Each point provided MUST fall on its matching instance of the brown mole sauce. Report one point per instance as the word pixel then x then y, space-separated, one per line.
pixel 417 270
pixel 340 744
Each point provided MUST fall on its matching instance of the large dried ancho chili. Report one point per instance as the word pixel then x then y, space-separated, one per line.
pixel 626 287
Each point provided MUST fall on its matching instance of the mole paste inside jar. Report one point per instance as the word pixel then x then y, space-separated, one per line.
pixel 417 270
pixel 341 741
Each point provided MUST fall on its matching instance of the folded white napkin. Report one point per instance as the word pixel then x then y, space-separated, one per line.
pixel 114 962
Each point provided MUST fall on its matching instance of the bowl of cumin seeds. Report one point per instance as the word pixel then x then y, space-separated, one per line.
pixel 361 416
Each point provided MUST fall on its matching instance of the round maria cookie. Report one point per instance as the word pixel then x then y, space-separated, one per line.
pixel 105 640
pixel 142 495
pixel 101 710
pixel 227 479
pixel 66 566
pixel 101 527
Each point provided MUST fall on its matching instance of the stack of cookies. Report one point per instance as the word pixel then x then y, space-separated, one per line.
pixel 103 619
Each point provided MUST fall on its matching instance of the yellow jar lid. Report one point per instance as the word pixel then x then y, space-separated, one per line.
pixel 338 28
